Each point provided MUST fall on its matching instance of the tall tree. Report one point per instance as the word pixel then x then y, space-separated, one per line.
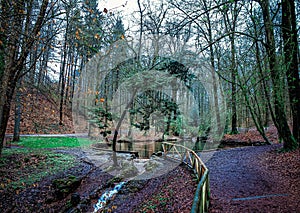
pixel 16 136
pixel 231 17
pixel 275 73
pixel 68 7
pixel 209 39
pixel 289 35
pixel 16 42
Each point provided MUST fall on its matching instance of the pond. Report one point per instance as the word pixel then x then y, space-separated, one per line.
pixel 146 149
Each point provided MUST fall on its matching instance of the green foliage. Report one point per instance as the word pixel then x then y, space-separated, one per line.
pixel 150 102
pixel 176 125
pixel 102 118
pixel 53 142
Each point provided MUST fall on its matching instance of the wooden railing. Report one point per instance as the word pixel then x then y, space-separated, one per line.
pixel 189 157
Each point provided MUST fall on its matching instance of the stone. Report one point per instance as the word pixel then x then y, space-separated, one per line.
pixel 75 199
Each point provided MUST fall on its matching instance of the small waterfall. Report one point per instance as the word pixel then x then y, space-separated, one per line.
pixel 107 196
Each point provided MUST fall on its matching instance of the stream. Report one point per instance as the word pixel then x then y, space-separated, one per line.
pixel 107 196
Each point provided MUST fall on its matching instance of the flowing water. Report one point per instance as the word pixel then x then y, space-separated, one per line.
pixel 107 196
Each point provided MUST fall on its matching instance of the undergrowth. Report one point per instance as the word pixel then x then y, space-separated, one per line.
pixel 20 168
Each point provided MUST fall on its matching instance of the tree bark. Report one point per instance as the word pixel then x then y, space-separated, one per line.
pixel 280 114
pixel 16 136
pixel 230 24
pixel 233 88
pixel 63 70
pixel 116 132
pixel 289 35
pixel 213 73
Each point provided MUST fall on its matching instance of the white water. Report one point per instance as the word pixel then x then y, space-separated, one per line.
pixel 107 196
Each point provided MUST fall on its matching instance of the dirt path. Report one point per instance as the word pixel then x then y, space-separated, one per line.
pixel 254 179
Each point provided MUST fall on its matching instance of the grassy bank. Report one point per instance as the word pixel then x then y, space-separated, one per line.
pixel 32 160
pixel 54 142
pixel 20 168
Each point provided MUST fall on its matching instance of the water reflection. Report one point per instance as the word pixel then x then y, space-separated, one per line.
pixel 146 148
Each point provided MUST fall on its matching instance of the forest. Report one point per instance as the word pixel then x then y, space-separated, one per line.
pixel 158 70
pixel 234 64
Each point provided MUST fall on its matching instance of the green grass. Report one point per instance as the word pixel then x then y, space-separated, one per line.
pixel 24 167
pixel 54 142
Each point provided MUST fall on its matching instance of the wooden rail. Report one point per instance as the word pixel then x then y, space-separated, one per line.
pixel 190 158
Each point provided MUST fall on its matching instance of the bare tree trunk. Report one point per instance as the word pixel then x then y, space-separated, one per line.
pixel 233 88
pixel 141 29
pixel 68 77
pixel 129 104
pixel 74 77
pixel 62 91
pixel 6 92
pixel 18 113
pixel 268 106
pixel 230 24
pixel 289 34
pixel 213 74
pixel 63 69
pixel 280 114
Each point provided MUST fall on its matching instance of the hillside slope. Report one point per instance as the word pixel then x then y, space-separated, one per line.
pixel 39 114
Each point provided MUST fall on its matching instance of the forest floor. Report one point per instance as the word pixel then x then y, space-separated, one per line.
pixel 246 179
